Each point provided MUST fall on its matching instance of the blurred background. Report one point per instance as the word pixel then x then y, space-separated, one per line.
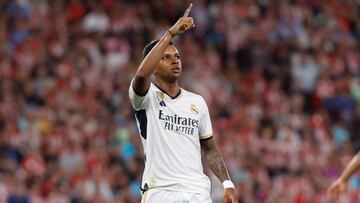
pixel 281 78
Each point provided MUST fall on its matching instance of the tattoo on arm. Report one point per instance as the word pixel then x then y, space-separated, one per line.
pixel 214 159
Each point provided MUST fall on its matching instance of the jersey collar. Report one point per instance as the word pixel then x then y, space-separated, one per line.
pixel 172 97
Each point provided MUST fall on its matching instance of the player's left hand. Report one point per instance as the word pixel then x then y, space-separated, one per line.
pixel 229 195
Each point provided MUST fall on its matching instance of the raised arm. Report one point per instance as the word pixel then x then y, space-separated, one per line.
pixel 339 185
pixel 141 82
pixel 217 166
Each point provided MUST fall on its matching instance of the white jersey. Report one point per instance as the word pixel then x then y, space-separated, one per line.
pixel 171 129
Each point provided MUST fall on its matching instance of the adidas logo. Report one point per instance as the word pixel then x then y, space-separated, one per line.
pixel 162 103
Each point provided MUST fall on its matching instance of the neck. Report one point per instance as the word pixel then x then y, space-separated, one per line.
pixel 172 89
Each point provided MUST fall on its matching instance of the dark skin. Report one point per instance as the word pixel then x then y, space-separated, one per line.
pixel 164 62
pixel 217 166
pixel 153 63
pixel 169 70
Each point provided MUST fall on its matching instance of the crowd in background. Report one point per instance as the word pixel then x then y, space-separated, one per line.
pixel 281 78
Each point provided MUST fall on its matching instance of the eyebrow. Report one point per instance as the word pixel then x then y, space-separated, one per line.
pixel 176 54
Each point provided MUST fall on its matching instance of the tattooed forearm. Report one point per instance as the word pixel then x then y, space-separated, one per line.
pixel 214 159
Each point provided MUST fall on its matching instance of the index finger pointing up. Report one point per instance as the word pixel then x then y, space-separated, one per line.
pixel 188 10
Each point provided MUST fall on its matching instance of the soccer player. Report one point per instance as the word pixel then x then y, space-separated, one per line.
pixel 339 185
pixel 175 126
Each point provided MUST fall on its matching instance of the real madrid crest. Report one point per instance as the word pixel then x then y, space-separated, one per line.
pixel 194 109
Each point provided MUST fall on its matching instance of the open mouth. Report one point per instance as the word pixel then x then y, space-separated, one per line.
pixel 176 69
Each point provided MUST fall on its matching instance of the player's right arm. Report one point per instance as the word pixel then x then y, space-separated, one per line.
pixel 141 81
pixel 339 185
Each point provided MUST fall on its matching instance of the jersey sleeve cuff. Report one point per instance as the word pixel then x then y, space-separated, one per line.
pixel 137 100
pixel 203 137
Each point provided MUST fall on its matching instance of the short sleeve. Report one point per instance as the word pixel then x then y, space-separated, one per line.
pixel 205 127
pixel 138 102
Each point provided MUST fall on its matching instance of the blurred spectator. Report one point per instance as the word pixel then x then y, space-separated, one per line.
pixel 18 195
